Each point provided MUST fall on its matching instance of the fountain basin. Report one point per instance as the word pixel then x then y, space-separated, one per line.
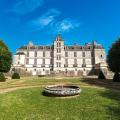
pixel 62 90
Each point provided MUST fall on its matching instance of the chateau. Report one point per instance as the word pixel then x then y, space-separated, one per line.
pixel 61 59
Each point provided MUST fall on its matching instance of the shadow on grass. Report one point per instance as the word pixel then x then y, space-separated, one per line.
pixel 58 96
pixel 109 84
pixel 47 94
pixel 112 94
pixel 114 107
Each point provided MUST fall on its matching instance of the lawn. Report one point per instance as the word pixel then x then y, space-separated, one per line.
pixel 96 101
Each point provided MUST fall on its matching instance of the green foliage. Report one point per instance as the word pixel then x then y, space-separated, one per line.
pixel 101 75
pixel 41 75
pixel 15 76
pixel 2 77
pixel 5 58
pixel 114 57
pixel 116 77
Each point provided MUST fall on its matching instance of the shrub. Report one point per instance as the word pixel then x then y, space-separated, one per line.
pixel 2 77
pixel 101 75
pixel 41 75
pixel 15 76
pixel 116 77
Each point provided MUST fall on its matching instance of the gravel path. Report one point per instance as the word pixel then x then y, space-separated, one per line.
pixel 17 88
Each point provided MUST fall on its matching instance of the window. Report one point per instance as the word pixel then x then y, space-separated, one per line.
pixel 75 61
pixel 51 61
pixel 58 64
pixel 51 54
pixel 43 53
pixel 66 61
pixel 27 54
pixel 83 54
pixel 66 54
pixel 27 61
pixel 43 61
pixel 59 44
pixel 84 61
pixel 58 50
pixel 35 61
pixel 35 53
pixel 58 57
pixel 75 54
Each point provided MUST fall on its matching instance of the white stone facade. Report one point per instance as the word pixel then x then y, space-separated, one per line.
pixel 59 58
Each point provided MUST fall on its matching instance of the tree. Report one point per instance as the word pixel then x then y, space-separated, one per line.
pixel 101 75
pixel 5 58
pixel 114 60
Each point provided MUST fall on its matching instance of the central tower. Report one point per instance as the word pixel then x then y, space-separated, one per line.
pixel 59 54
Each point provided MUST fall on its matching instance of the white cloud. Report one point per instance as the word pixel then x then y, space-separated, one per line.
pixel 27 6
pixel 50 20
pixel 66 25
pixel 46 19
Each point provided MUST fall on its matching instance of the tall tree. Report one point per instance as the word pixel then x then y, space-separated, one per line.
pixel 114 60
pixel 5 57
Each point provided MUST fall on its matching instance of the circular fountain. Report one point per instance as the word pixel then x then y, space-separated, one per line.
pixel 62 90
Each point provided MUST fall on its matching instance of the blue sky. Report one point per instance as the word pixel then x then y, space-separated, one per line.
pixel 79 21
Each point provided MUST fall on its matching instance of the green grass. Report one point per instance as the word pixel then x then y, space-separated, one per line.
pixel 38 81
pixel 94 103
